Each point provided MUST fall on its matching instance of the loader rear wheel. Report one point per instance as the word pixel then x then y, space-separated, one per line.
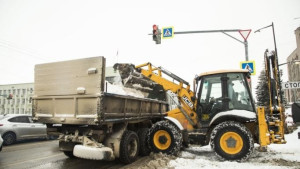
pixel 165 137
pixel 232 141
pixel 129 147
pixel 143 138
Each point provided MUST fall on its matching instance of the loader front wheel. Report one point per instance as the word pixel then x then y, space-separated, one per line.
pixel 232 141
pixel 165 137
pixel 129 147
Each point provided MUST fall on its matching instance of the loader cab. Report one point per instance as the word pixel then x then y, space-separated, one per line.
pixel 222 91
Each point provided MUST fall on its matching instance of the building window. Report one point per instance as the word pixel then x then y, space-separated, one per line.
pixel 0 92
pixel 18 92
pixel 24 91
pixel 23 101
pixel 4 92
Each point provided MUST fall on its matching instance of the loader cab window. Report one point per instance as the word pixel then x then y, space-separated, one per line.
pixel 238 93
pixel 209 94
pixel 222 92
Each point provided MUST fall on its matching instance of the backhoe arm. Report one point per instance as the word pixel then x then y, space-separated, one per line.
pixel 271 119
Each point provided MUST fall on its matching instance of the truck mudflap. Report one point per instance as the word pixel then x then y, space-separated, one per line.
pixel 93 151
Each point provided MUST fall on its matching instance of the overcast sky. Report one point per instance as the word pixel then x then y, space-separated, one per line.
pixel 40 31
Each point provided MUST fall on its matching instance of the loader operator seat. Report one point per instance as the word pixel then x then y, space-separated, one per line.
pixel 232 95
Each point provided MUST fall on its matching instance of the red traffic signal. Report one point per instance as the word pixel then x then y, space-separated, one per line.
pixel 156 34
pixel 155 27
pixel 10 96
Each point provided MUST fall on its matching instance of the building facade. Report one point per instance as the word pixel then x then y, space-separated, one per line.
pixel 21 101
pixel 293 95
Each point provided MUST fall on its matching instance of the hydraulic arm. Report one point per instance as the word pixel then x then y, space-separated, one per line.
pixel 271 120
pixel 185 113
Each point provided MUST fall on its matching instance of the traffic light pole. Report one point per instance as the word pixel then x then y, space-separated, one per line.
pixel 225 32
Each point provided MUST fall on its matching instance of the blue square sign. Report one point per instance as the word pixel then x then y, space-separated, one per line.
pixel 250 65
pixel 167 32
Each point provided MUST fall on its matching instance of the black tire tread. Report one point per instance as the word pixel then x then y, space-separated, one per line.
pixel 124 156
pixel 175 134
pixel 69 154
pixel 244 132
pixel 12 134
pixel 143 138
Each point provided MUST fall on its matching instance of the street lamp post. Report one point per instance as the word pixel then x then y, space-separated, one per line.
pixel 276 55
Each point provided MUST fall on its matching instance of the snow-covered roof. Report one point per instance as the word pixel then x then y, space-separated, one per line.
pixel 224 71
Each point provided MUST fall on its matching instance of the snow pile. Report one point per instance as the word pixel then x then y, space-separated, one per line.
pixel 121 90
pixel 277 157
pixel 153 161
pixel 289 119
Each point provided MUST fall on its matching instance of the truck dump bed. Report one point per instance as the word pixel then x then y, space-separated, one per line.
pixel 72 92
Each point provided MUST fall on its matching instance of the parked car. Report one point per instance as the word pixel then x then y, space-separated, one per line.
pixel 15 127
pixel 1 142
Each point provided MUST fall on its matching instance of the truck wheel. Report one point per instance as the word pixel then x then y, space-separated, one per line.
pixel 165 137
pixel 232 141
pixel 129 147
pixel 9 138
pixel 143 138
pixel 69 154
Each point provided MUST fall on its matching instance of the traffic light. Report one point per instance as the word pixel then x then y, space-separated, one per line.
pixel 156 34
pixel 10 96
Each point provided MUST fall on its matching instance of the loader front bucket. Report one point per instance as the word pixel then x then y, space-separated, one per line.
pixel 132 78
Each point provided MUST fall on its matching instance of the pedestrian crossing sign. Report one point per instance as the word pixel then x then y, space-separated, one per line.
pixel 250 65
pixel 168 32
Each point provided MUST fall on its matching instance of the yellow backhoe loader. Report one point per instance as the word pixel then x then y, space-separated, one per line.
pixel 219 110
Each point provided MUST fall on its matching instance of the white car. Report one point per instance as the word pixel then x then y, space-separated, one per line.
pixel 1 142
pixel 15 127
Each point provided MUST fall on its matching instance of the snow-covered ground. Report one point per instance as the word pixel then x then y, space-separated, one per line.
pixel 277 157
pixel 284 156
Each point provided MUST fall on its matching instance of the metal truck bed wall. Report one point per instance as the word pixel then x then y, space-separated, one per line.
pixel 71 92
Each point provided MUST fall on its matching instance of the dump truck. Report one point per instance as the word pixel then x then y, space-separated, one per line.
pixel 72 98
pixel 219 110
